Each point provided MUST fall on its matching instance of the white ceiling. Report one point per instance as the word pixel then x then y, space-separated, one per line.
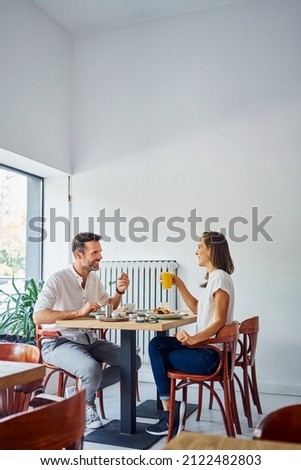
pixel 80 17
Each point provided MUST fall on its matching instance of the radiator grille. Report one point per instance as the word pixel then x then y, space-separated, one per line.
pixel 145 290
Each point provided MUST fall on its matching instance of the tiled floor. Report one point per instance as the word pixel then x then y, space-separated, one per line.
pixel 211 421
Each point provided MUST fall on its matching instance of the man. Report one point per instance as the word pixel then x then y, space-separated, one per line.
pixel 76 292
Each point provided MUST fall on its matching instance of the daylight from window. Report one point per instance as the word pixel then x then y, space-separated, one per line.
pixel 13 208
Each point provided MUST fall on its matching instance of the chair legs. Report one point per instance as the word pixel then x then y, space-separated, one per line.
pixel 234 410
pixel 228 408
pixel 15 400
pixel 62 382
pixel 254 390
pixel 99 395
pixel 200 402
pixel 247 389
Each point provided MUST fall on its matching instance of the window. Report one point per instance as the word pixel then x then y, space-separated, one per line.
pixel 20 200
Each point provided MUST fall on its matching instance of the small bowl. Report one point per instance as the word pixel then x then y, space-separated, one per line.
pixel 99 317
pixel 133 316
pixel 122 314
pixel 116 314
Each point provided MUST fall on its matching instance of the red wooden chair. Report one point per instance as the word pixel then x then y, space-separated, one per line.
pixel 245 360
pixel 63 375
pixel 227 337
pixel 56 426
pixel 282 425
pixel 17 399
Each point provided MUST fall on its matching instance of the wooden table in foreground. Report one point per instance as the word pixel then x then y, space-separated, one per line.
pixel 16 373
pixel 130 433
pixel 195 441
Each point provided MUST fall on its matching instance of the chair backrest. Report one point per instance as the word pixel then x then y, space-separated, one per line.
pixel 59 425
pixel 13 401
pixel 45 334
pixel 283 425
pixel 249 330
pixel 229 335
pixel 19 352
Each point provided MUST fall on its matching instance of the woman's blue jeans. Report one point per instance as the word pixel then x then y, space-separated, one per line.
pixel 167 353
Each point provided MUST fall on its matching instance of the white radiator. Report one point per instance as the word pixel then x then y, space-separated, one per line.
pixel 145 290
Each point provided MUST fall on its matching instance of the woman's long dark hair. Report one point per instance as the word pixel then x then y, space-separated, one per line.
pixel 220 253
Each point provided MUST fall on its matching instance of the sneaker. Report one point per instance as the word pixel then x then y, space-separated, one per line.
pixel 92 419
pixel 161 427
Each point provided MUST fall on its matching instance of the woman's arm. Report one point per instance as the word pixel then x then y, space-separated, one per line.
pixel 187 297
pixel 221 299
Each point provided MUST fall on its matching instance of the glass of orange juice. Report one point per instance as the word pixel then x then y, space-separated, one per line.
pixel 166 279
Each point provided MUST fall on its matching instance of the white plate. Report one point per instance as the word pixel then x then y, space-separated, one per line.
pixel 169 316
pixel 143 311
pixel 93 314
pixel 102 313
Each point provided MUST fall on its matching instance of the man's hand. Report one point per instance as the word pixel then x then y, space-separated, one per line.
pixel 88 308
pixel 123 282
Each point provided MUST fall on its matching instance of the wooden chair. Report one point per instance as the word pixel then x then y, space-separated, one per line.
pixel 59 425
pixel 63 375
pixel 245 360
pixel 17 399
pixel 227 337
pixel 282 425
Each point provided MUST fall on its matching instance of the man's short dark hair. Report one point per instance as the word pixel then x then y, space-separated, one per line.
pixel 78 242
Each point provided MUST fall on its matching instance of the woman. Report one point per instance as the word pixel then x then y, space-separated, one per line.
pixel 214 309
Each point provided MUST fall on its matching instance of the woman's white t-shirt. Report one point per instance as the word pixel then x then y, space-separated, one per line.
pixel 218 279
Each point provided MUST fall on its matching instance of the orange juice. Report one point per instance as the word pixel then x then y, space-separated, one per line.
pixel 166 280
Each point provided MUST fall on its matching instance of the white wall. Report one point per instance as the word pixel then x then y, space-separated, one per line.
pixel 35 110
pixel 35 85
pixel 56 234
pixel 201 111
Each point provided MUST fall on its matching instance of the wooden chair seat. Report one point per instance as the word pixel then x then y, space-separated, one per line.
pixel 282 425
pixel 17 399
pixel 227 337
pixel 56 426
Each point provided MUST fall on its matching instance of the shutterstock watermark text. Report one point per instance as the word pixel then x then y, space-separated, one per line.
pixel 140 229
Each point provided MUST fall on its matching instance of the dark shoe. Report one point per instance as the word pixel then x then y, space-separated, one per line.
pixel 161 428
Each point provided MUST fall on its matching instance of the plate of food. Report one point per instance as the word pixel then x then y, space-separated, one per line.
pixel 169 316
pixel 163 313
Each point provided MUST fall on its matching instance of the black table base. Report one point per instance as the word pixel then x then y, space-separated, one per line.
pixel 111 436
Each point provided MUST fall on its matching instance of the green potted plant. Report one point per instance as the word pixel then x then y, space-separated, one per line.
pixel 16 320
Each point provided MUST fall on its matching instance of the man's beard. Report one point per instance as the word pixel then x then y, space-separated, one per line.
pixel 91 266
